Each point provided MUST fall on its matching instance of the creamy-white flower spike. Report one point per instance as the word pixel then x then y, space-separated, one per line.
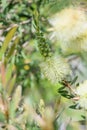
pixel 55 69
pixel 68 26
pixel 81 91
pixel 75 45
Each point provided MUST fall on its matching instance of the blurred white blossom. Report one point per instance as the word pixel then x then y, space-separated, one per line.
pixel 55 69
pixel 81 91
pixel 75 45
pixel 70 27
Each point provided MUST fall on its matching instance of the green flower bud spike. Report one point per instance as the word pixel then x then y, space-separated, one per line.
pixel 54 68
pixel 44 47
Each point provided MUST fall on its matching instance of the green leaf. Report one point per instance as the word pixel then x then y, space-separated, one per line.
pixel 62 91
pixel 11 85
pixel 7 41
pixel 74 80
pixel 73 106
pixel 9 72
pixel 61 88
pixel 12 49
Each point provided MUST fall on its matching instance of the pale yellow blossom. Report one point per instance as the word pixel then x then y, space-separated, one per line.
pixel 81 91
pixel 75 45
pixel 55 69
pixel 70 28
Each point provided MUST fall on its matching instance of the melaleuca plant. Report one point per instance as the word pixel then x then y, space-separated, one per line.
pixel 27 100
pixel 54 67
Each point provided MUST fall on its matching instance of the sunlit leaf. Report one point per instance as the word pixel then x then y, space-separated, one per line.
pixel 11 85
pixel 7 41
pixel 9 72
pixel 12 49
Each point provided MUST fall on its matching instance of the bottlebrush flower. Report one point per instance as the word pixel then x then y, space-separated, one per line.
pixel 70 27
pixel 75 45
pixel 55 69
pixel 81 92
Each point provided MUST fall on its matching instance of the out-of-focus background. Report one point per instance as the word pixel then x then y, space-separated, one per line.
pixel 20 73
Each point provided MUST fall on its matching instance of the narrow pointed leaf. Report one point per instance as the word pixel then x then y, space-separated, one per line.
pixel 11 85
pixel 9 72
pixel 12 49
pixel 7 41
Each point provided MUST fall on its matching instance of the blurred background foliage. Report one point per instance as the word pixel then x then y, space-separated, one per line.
pixel 21 80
